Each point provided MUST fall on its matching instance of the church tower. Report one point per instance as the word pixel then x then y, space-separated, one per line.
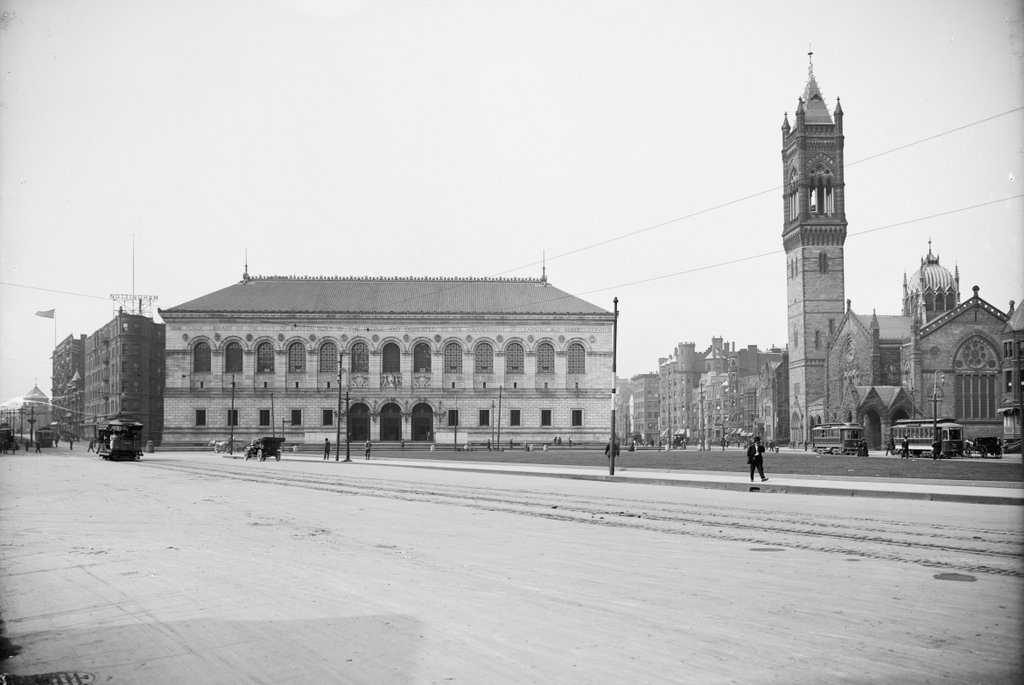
pixel 813 234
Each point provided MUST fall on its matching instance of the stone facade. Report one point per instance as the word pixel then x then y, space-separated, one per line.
pixel 814 232
pixel 411 372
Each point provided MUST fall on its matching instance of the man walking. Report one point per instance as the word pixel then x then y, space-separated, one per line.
pixel 755 457
pixel 904 448
pixel 327 449
pixel 367 448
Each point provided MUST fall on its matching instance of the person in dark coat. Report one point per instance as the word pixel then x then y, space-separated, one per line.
pixel 755 455
pixel 904 449
pixel 327 449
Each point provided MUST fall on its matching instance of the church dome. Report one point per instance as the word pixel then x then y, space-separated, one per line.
pixel 931 277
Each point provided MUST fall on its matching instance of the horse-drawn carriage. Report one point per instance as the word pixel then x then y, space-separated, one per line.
pixel 264 448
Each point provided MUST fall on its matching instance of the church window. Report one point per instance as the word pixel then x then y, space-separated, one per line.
pixel 391 359
pixel 201 358
pixel 823 262
pixel 296 358
pixel 796 338
pixel 821 198
pixel 453 358
pixel 233 358
pixel 265 358
pixel 514 358
pixel 975 364
pixel 360 358
pixel 483 359
pixel 577 359
pixel 545 358
pixel 831 327
pixel 329 358
pixel 817 340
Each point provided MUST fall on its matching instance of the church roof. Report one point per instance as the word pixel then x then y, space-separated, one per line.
pixel 1016 322
pixel 385 295
pixel 815 109
pixel 890 326
pixel 932 276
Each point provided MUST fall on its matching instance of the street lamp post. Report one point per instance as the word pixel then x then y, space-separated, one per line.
pixel 615 341
pixel 498 444
pixel 32 425
pixel 938 379
pixel 492 425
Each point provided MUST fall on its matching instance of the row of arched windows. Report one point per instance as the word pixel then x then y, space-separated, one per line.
pixel 359 358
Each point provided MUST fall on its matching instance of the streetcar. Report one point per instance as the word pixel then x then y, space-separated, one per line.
pixel 921 433
pixel 6 438
pixel 120 439
pixel 44 436
pixel 837 438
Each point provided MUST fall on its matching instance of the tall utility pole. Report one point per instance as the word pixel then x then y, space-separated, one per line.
pixel 615 342
pixel 231 418
pixel 499 410
pixel 337 434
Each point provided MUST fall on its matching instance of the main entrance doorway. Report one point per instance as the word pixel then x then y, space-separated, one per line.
pixel 390 423
pixel 422 423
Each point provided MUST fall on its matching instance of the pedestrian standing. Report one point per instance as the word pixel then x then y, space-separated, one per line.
pixel 71 444
pixel 38 451
pixel 327 449
pixel 367 449
pixel 904 448
pixel 92 444
pixel 755 457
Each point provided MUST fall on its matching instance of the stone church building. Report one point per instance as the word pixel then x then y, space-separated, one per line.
pixel 435 360
pixel 939 355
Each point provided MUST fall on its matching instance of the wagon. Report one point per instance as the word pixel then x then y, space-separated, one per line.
pixel 264 448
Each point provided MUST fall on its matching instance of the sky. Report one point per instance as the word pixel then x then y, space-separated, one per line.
pixel 630 149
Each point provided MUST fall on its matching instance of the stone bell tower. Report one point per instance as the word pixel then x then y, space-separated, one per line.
pixel 813 234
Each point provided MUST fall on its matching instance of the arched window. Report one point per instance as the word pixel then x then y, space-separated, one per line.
pixel 453 358
pixel 360 358
pixel 545 358
pixel 265 358
pixel 201 358
pixel 329 358
pixel 421 358
pixel 391 359
pixel 576 358
pixel 823 262
pixel 483 359
pixel 514 358
pixel 976 365
pixel 233 358
pixel 296 358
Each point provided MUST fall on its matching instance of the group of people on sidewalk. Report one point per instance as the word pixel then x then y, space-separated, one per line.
pixel 368 447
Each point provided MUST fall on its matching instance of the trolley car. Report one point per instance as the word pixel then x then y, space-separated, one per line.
pixel 922 433
pixel 836 438
pixel 44 436
pixel 6 438
pixel 121 440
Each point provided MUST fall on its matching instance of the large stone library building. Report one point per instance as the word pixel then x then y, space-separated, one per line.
pixel 437 360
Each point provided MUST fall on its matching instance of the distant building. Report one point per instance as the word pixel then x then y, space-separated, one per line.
pixel 678 376
pixel 26 415
pixel 1013 379
pixel 440 360
pixel 646 406
pixel 68 386
pixel 124 373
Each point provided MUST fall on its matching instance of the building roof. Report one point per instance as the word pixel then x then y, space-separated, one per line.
pixel 932 276
pixel 890 326
pixel 815 109
pixel 1016 322
pixel 384 295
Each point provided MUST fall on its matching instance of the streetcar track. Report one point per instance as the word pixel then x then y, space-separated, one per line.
pixel 987 551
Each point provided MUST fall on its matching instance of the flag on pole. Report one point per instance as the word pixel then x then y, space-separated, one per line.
pixel 48 314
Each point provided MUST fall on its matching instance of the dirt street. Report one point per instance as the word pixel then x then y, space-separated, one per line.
pixel 192 568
